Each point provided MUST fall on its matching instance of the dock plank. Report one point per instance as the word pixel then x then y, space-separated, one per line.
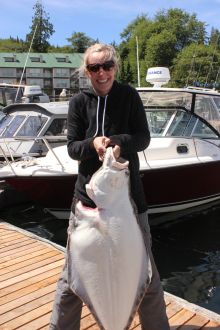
pixel 197 323
pixel 23 291
pixel 11 270
pixel 28 268
pixel 181 317
pixel 28 282
pixel 28 256
pixel 28 298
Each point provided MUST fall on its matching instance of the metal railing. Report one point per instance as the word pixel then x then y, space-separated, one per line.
pixel 46 140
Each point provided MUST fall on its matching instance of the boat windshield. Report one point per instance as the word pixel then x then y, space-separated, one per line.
pixel 206 106
pixel 177 122
pixel 4 122
pixel 9 93
pixel 32 126
pixel 57 127
pixel 166 99
pixel 14 125
pixel 217 102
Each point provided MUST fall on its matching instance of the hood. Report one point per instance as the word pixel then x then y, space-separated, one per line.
pixel 101 108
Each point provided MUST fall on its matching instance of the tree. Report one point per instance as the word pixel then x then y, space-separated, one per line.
pixel 215 38
pixel 80 42
pixel 196 65
pixel 58 49
pixel 13 45
pixel 186 28
pixel 160 39
pixel 41 29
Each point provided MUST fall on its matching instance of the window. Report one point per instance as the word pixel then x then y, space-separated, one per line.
pixel 35 82
pixel 61 72
pixel 158 121
pixel 10 59
pixel 34 72
pixel 32 126
pixel 217 102
pixel 4 122
pixel 203 131
pixel 13 126
pixel 35 59
pixel 12 93
pixel 179 124
pixel 61 59
pixel 57 127
pixel 65 59
pixel 61 83
pixel 7 72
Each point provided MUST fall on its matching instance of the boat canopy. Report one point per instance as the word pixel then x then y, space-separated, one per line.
pixel 203 104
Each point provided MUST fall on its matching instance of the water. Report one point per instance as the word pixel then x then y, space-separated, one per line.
pixel 187 253
pixel 186 249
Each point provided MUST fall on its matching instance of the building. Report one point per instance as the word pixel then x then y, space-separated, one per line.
pixel 53 72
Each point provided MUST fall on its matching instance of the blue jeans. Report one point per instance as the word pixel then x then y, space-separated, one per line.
pixel 67 306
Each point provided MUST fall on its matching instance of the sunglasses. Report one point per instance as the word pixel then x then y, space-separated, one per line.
pixel 106 66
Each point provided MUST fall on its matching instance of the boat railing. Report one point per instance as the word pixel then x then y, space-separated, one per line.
pixel 8 162
pixel 8 149
pixel 46 139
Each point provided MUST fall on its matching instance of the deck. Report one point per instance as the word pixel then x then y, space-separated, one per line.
pixel 29 269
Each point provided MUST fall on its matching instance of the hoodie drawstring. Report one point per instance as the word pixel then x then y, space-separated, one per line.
pixel 103 117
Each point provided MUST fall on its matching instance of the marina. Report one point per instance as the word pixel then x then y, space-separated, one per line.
pixel 28 282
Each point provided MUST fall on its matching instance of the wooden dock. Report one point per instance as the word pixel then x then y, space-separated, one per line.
pixel 29 269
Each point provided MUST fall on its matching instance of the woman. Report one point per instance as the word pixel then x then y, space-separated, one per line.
pixel 107 114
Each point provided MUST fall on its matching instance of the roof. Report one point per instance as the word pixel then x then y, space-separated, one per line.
pixel 41 60
pixel 190 90
pixel 56 108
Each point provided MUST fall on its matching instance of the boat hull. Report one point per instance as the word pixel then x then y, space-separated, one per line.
pixel 180 187
pixel 166 189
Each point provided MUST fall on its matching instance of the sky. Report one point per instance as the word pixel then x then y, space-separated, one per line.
pixel 104 20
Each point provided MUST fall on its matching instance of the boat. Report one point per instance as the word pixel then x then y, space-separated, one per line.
pixel 23 124
pixel 180 168
pixel 17 93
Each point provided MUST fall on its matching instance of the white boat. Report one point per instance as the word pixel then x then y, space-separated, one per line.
pixel 180 168
pixel 18 93
pixel 24 123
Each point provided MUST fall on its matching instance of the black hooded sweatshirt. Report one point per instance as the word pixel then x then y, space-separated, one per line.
pixel 120 116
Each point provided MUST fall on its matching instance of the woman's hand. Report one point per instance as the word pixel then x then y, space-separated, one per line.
pixel 100 144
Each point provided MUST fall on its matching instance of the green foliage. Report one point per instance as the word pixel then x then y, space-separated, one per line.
pixel 196 65
pixel 41 30
pixel 58 49
pixel 13 45
pixel 80 42
pixel 215 38
pixel 186 28
pixel 159 40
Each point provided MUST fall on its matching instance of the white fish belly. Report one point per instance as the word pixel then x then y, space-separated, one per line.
pixel 109 265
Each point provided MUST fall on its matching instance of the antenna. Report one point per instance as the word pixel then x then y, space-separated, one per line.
pixel 25 63
pixel 216 79
pixel 210 67
pixel 191 69
pixel 192 65
pixel 138 69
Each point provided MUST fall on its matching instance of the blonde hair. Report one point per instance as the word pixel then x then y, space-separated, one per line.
pixel 110 54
